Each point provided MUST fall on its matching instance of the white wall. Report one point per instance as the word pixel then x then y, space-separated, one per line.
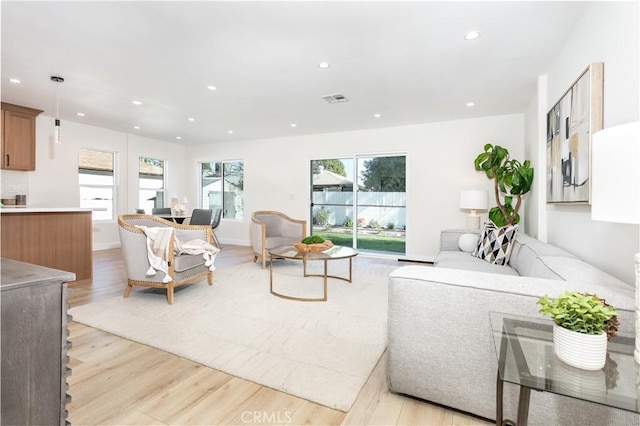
pixel 439 165
pixel 607 32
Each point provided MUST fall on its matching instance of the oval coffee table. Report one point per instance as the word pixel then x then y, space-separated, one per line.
pixel 290 252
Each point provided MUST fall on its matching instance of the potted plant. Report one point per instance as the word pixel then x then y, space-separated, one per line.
pixel 511 178
pixel 582 325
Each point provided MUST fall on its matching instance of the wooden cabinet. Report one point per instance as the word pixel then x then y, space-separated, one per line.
pixel 34 344
pixel 18 137
pixel 56 239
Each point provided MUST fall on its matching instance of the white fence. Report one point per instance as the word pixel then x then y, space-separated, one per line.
pixel 385 208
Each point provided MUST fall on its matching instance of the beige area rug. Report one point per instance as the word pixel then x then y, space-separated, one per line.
pixel 320 351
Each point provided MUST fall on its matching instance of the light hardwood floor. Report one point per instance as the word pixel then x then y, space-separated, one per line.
pixel 120 382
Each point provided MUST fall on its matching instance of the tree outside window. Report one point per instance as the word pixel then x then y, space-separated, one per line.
pixel 222 187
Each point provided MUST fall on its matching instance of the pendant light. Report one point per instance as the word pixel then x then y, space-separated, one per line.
pixel 57 80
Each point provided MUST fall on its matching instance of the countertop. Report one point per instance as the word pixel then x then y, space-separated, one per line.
pixel 6 209
pixel 16 274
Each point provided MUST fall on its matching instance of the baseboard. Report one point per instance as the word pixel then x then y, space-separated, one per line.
pixel 106 246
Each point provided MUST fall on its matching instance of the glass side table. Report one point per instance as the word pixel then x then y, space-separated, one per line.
pixel 524 349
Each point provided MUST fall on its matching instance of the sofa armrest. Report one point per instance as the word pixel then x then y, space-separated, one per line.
pixel 449 238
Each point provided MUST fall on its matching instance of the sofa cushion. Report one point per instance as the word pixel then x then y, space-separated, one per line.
pixel 527 249
pixel 462 260
pixel 468 242
pixel 495 243
pixel 574 269
pixel 185 262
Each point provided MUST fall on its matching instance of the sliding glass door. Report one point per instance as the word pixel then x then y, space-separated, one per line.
pixel 360 202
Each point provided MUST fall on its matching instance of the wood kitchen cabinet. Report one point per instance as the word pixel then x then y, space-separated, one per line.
pixel 18 137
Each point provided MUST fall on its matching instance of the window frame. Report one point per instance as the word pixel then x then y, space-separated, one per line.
pixel 164 180
pixel 200 187
pixel 113 186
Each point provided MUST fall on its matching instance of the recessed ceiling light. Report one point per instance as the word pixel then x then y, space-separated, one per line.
pixel 211 87
pixel 15 80
pixel 230 131
pixel 471 35
pixel 324 65
pixel 136 102
pixel 294 125
pixel 191 119
pixel 470 104
pixel 80 114
pixel 377 115
pixel 136 127
pixel 178 137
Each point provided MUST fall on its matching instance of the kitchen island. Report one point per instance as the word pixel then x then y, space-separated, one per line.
pixel 59 238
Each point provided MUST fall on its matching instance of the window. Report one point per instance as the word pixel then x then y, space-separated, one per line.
pixel 97 182
pixel 222 187
pixel 150 183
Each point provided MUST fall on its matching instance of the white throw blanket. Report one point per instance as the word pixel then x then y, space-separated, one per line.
pixel 158 243
pixel 202 247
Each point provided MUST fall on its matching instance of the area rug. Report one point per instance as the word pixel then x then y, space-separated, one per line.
pixel 320 351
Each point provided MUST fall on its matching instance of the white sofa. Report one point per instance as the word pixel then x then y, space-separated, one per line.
pixel 440 345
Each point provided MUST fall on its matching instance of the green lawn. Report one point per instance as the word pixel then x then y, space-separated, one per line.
pixel 366 242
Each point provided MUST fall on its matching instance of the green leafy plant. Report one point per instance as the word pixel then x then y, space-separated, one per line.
pixel 581 312
pixel 511 178
pixel 348 223
pixel 321 217
pixel 313 239
pixel 373 224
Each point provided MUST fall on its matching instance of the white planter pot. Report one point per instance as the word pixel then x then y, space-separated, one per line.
pixel 586 351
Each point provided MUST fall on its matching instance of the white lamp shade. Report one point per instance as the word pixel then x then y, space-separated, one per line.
pixel 615 174
pixel 474 199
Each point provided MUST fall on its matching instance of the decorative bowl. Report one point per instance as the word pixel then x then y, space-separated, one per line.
pixel 313 248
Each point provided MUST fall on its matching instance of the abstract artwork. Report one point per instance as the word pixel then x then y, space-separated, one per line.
pixel 570 124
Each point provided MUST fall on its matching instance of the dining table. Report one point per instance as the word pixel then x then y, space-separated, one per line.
pixel 175 218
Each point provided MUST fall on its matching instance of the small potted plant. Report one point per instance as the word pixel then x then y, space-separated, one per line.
pixel 582 325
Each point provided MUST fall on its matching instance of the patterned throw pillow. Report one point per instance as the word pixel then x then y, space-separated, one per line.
pixel 495 243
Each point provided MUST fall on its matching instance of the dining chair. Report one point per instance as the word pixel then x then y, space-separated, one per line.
pixel 201 217
pixel 216 222
pixel 161 211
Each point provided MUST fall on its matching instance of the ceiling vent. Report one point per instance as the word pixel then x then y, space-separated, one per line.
pixel 334 99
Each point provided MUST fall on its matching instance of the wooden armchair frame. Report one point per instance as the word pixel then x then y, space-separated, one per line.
pixel 131 251
pixel 258 233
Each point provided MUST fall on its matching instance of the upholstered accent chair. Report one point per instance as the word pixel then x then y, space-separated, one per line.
pixel 182 268
pixel 270 229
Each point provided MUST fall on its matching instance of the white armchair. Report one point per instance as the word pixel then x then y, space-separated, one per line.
pixel 182 269
pixel 270 229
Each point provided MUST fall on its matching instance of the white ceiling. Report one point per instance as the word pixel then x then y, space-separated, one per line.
pixel 407 61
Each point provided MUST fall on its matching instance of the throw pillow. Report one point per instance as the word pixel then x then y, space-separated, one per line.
pixel 468 242
pixel 495 243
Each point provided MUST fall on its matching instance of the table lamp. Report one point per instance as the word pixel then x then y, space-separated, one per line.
pixel 615 187
pixel 474 201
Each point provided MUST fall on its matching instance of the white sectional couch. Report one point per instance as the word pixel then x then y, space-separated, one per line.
pixel 439 338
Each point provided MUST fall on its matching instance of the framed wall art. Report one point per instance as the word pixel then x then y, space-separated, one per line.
pixel 570 124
